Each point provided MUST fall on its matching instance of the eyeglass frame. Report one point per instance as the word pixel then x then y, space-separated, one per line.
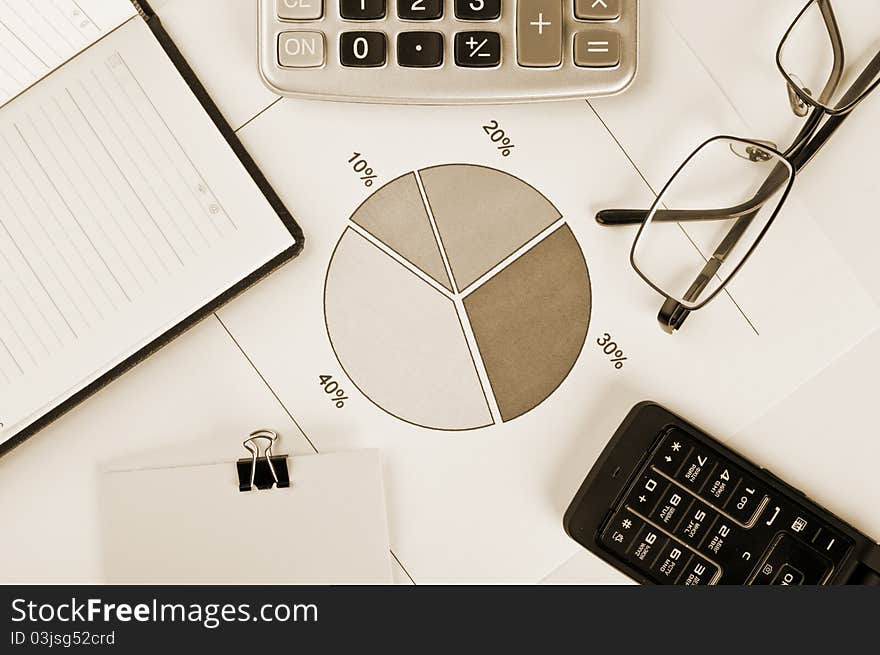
pixel 808 142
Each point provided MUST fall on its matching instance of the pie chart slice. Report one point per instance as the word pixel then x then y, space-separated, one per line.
pixel 530 322
pixel 396 215
pixel 444 358
pixel 483 216
pixel 400 340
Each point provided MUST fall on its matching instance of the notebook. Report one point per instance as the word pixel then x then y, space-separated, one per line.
pixel 128 209
pixel 184 521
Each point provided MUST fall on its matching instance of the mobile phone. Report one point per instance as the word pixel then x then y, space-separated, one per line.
pixel 667 504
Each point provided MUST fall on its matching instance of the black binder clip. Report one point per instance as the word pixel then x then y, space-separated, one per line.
pixel 262 471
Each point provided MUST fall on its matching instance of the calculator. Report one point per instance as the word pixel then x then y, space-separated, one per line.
pixel 447 51
pixel 668 504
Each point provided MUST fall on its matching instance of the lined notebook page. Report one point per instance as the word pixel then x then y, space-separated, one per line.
pixel 122 211
pixel 37 36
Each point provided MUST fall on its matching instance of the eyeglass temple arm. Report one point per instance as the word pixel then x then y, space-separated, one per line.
pixel 673 314
pixel 613 217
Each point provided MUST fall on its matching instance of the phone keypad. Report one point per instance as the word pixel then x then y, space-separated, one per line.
pixel 691 517
pixel 432 50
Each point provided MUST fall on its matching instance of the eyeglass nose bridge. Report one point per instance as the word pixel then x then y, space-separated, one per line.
pixel 797 103
pixel 752 152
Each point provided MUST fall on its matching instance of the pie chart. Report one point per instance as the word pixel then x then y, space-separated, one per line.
pixel 457 298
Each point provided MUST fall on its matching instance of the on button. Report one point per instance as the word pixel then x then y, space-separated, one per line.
pixel 301 49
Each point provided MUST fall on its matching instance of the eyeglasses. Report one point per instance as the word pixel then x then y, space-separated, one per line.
pixel 726 195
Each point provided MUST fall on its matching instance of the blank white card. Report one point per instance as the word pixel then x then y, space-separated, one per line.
pixel 190 524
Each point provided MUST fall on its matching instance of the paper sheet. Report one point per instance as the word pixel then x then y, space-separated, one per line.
pixel 178 523
pixel 485 504
pixel 38 36
pixel 122 211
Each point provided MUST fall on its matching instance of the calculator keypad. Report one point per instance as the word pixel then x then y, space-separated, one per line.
pixel 691 517
pixel 448 51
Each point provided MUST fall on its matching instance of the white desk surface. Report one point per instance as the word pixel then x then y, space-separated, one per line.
pixel 203 387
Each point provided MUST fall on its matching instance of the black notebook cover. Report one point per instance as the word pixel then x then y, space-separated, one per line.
pixel 256 174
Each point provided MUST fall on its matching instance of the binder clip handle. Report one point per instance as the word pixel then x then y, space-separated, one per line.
pixel 263 469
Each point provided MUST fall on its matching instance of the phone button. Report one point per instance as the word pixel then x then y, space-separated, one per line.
pixel 786 553
pixel 696 523
pixel 674 504
pixel 622 531
pixel 697 468
pixel 672 453
pixel 831 543
pixel 645 494
pixel 699 572
pixel 721 484
pixel 745 501
pixel 673 559
pixel 647 547
pixel 722 533
pixel 788 576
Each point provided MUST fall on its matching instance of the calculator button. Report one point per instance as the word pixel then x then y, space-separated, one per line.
pixel 789 551
pixel 696 523
pixel 721 484
pixel 674 504
pixel 788 576
pixel 420 9
pixel 301 49
pixel 420 49
pixel 672 453
pixel 597 49
pixel 477 9
pixel 673 559
pixel 622 531
pixel 597 9
pixel 299 9
pixel 697 469
pixel 645 494
pixel 745 501
pixel 477 49
pixel 698 572
pixel 362 9
pixel 539 33
pixel 362 49
pixel 647 546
